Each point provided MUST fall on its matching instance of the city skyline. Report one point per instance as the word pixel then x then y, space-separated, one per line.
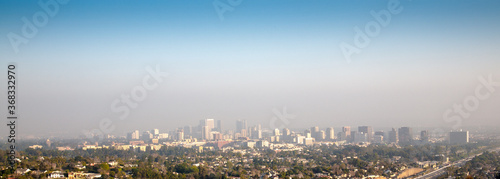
pixel 427 64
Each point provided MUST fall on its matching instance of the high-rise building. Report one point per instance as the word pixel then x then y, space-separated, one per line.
pixel 219 126
pixel 378 139
pixel 393 136
pixel 205 132
pixel 210 123
pixel 368 131
pixel 155 132
pixel 315 129
pixel 358 137
pixel 286 131
pixel 188 130
pixel 244 133
pixel 180 134
pixel 424 136
pixel 321 135
pixel 378 135
pixel 307 133
pixel 135 135
pixel 405 135
pixel 330 133
pixel 276 132
pixel 146 135
pixel 459 137
pixel 256 132
pixel 241 124
pixel 347 132
pixel 315 132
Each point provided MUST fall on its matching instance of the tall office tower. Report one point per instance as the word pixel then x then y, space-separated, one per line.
pixel 155 132
pixel 276 132
pixel 286 131
pixel 219 126
pixel 459 137
pixel 241 124
pixel 244 133
pixel 135 135
pixel 180 134
pixel 330 133
pixel 188 130
pixel 315 132
pixel 321 135
pixel 129 136
pixel 210 123
pixel 368 131
pixel 205 132
pixel 256 133
pixel 359 137
pixel 353 136
pixel 393 136
pixel 347 132
pixel 146 135
pixel 405 135
pixel 315 129
pixel 424 136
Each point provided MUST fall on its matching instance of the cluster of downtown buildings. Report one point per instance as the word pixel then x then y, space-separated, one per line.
pixel 211 131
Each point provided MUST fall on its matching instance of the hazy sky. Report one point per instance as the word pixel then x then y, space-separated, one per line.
pixel 263 55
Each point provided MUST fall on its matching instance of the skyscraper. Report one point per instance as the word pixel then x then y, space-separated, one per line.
pixel 368 131
pixel 210 123
pixel 393 136
pixel 241 124
pixel 405 135
pixel 135 135
pixel 276 132
pixel 188 130
pixel 205 132
pixel 459 137
pixel 155 132
pixel 219 126
pixel 286 131
pixel 424 136
pixel 146 135
pixel 346 131
pixel 180 134
pixel 330 133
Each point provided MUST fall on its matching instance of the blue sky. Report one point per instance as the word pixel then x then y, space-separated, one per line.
pixel 263 55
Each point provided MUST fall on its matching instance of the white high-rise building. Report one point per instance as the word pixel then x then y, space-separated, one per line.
pixel 210 123
pixel 136 134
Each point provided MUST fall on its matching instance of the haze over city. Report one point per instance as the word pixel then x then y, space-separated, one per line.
pixel 261 56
